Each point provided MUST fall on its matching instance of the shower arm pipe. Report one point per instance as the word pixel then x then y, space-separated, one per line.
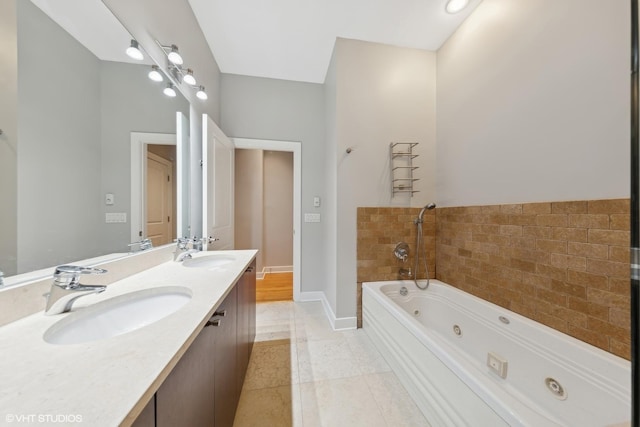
pixel 635 219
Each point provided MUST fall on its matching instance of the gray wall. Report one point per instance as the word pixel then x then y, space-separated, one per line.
pixel 74 118
pixel 384 94
pixel 130 102
pixel 533 103
pixel 288 111
pixel 9 137
pixel 59 144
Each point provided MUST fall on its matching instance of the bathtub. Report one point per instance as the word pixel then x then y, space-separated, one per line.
pixel 467 362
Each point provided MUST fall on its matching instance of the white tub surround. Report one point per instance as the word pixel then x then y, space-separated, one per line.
pixel 467 362
pixel 107 382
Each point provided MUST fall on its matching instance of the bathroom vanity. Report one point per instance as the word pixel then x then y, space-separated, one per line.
pixel 203 389
pixel 186 368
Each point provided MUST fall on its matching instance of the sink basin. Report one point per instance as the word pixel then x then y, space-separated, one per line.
pixel 118 315
pixel 209 261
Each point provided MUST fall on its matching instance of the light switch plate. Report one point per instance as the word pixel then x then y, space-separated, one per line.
pixel 115 217
pixel 316 202
pixel 312 217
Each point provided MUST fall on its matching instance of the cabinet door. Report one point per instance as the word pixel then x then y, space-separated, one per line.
pixel 186 398
pixel 246 319
pixel 226 386
pixel 147 417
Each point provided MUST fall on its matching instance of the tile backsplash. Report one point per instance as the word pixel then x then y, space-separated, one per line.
pixel 379 230
pixel 563 264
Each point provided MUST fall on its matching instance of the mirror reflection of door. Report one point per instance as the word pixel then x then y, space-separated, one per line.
pixel 161 191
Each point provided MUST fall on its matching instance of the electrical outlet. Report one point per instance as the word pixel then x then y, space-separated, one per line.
pixel 497 364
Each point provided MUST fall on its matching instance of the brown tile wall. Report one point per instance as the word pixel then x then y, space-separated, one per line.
pixel 379 230
pixel 563 264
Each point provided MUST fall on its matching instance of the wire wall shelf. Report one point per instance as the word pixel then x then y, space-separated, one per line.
pixel 402 168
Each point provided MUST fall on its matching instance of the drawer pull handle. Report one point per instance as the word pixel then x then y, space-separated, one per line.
pixel 220 313
pixel 214 322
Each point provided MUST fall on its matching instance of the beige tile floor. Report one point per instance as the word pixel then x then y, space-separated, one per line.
pixel 303 373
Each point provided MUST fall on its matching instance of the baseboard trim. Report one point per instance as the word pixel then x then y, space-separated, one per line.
pixel 337 323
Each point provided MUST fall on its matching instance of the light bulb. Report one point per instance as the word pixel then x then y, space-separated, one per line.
pixel 201 94
pixel 169 90
pixel 154 74
pixel 455 6
pixel 188 78
pixel 174 55
pixel 134 51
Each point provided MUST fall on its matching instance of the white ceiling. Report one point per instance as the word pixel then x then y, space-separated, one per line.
pixel 282 39
pixel 93 25
pixel 293 39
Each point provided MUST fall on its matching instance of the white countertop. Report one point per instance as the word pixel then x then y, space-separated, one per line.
pixel 106 382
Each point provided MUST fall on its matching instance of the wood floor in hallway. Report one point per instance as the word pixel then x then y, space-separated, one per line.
pixel 275 287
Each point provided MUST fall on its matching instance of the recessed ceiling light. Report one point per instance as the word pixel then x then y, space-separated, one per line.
pixel 455 6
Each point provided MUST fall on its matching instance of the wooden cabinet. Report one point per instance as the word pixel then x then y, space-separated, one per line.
pixel 246 319
pixel 147 417
pixel 225 360
pixel 186 398
pixel 203 389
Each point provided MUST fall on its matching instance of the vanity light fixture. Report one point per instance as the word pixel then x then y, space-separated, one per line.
pixel 455 6
pixel 134 51
pixel 169 90
pixel 173 55
pixel 178 73
pixel 155 74
pixel 201 94
pixel 188 77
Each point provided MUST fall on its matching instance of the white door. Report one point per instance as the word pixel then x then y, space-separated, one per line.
pixel 217 187
pixel 159 199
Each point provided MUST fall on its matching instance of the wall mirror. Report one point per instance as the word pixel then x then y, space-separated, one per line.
pixel 78 112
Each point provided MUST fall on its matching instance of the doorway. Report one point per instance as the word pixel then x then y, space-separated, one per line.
pixel 161 194
pixel 264 218
pixel 139 143
pixel 295 149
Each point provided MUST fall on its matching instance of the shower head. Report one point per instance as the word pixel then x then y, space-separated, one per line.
pixel 427 207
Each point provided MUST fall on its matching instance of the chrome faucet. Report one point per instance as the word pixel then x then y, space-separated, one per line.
pixel 142 245
pixel 182 249
pixel 66 288
pixel 197 245
pixel 401 251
